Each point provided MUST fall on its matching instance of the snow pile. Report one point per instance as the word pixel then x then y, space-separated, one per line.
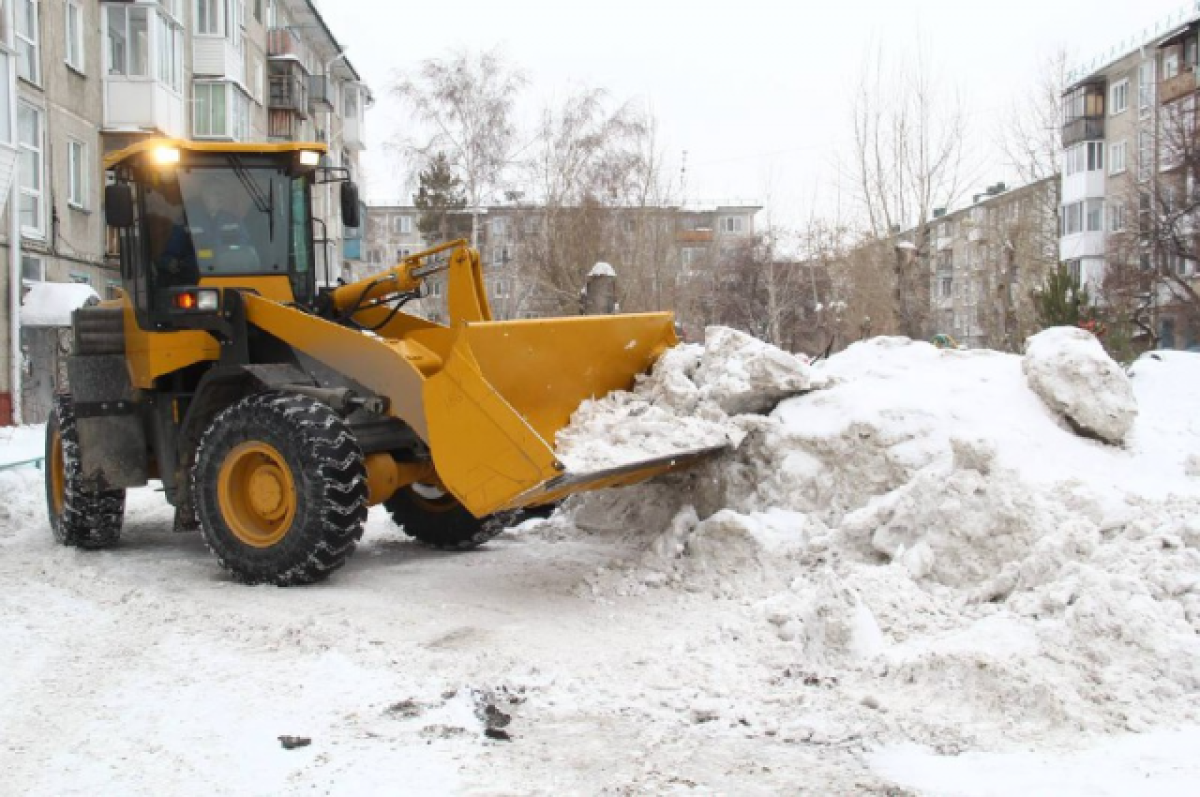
pixel 1071 372
pixel 924 529
pixel 602 269
pixel 695 397
pixel 49 304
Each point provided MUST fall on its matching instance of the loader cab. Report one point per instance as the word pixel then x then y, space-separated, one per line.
pixel 191 216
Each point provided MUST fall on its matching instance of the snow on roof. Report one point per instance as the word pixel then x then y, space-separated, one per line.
pixel 49 304
pixel 602 269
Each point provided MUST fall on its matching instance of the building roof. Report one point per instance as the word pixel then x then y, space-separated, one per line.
pixel 307 14
pixel 1151 35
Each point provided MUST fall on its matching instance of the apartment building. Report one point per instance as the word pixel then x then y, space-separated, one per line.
pixel 987 260
pixel 1128 179
pixel 535 259
pixel 84 77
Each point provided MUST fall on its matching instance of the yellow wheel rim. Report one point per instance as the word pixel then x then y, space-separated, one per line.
pixel 57 473
pixel 256 494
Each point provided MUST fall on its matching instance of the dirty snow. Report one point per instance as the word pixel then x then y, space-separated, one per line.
pixel 49 304
pixel 1070 371
pixel 912 575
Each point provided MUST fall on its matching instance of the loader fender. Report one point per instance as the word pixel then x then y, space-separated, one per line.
pixel 221 387
pixel 112 438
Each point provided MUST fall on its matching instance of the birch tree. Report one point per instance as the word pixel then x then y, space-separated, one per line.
pixel 465 103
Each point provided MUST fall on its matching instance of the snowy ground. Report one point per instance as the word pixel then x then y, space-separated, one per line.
pixel 915 578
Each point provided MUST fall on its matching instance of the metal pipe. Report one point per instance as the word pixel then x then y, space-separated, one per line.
pixel 14 252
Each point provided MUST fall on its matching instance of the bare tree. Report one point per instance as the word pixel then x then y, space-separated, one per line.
pixel 466 101
pixel 907 159
pixel 1029 136
pixel 597 176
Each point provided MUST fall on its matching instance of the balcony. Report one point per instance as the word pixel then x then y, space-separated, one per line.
pixel 288 92
pixel 352 135
pixel 217 57
pixel 1181 85
pixel 1084 128
pixel 283 44
pixel 694 236
pixel 320 92
pixel 287 126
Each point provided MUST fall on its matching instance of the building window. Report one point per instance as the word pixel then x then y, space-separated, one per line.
pixel 1116 158
pixel 77 174
pixel 1170 65
pixel 29 131
pixel 28 65
pixel 1118 97
pixel 128 41
pixel 1094 215
pixel 1086 216
pixel 210 17
pixel 75 36
pixel 33 269
pixel 691 256
pixel 211 114
pixel 80 279
pixel 402 225
pixel 1116 217
pixel 1145 88
pixel 1085 157
pixel 732 224
pixel 946 287
pixel 170 52
pixel 221 111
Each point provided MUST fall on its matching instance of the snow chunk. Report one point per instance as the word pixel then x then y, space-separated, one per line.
pixel 1070 371
pixel 693 399
pixel 49 304
pixel 602 269
pixel 742 374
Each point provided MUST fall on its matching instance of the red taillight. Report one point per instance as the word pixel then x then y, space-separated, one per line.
pixel 185 301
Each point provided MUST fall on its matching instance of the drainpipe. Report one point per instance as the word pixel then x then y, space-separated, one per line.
pixel 14 258
pixel 14 299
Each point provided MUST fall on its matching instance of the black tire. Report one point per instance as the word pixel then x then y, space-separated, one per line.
pixel 311 465
pixel 79 517
pixel 436 519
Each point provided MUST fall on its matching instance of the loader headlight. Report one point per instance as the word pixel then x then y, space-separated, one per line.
pixel 310 158
pixel 165 156
pixel 199 301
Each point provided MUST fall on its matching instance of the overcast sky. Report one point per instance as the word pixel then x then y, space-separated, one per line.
pixel 757 93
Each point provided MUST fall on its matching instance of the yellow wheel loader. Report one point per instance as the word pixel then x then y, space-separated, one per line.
pixel 275 411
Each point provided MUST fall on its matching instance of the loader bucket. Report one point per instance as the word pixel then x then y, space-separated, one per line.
pixel 507 388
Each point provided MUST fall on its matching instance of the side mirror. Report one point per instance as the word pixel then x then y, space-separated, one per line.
pixel 350 213
pixel 118 205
